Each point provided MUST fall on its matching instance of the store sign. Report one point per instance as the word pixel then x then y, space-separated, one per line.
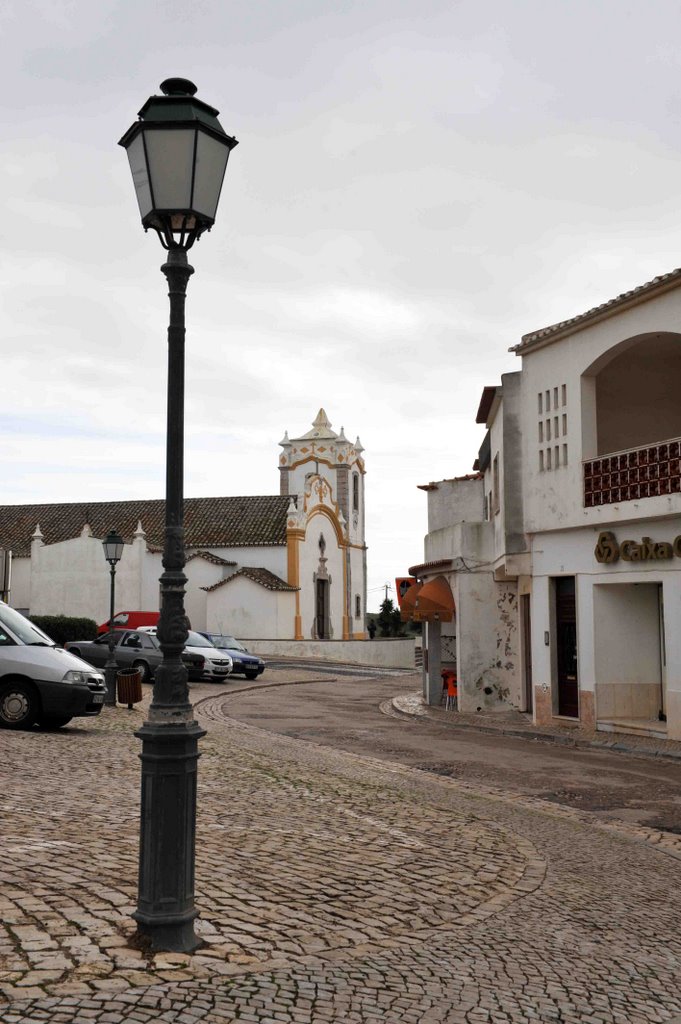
pixel 609 549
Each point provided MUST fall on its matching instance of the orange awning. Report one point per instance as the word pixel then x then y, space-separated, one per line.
pixel 434 602
pixel 408 602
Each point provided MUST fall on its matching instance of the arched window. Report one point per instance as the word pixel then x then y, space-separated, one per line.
pixel 355 492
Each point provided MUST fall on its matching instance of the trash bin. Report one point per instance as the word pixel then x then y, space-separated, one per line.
pixel 129 682
pixel 450 688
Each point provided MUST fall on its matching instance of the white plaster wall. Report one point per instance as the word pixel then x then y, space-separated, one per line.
pixel 488 643
pixel 386 653
pixel 20 593
pixel 470 541
pixel 358 586
pixel 309 563
pixel 455 501
pixel 243 608
pixel 626 627
pixel 272 557
pixel 72 578
pixel 555 497
pixel 201 573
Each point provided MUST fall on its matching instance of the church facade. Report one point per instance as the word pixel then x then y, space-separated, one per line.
pixel 290 566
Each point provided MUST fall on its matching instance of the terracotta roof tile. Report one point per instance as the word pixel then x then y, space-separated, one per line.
pixel 248 521
pixel 208 556
pixel 264 577
pixel 662 282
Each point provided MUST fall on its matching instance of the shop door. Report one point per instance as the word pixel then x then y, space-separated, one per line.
pixel 566 641
pixel 322 608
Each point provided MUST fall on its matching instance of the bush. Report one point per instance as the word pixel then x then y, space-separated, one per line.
pixel 63 628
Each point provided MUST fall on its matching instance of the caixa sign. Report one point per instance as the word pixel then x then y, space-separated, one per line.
pixel 609 549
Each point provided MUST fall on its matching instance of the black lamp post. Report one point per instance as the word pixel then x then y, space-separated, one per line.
pixel 113 549
pixel 178 155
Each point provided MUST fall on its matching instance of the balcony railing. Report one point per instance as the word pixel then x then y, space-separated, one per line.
pixel 636 473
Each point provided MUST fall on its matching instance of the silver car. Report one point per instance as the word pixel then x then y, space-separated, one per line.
pixel 217 664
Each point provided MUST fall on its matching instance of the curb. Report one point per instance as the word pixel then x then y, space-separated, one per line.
pixel 619 746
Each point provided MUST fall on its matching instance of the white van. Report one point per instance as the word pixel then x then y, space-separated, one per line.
pixel 39 682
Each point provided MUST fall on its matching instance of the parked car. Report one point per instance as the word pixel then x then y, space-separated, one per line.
pixel 41 683
pixel 245 663
pixel 133 649
pixel 217 664
pixel 130 620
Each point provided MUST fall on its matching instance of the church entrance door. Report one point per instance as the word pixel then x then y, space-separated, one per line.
pixel 322 609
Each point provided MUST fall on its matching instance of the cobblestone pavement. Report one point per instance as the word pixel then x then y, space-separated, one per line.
pixel 331 886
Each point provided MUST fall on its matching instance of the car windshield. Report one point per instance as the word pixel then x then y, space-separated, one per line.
pixel 23 629
pixel 230 642
pixel 196 640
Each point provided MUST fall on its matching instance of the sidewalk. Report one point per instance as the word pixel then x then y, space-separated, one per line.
pixel 516 724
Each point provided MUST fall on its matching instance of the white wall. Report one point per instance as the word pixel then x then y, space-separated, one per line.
pixel 243 608
pixel 386 653
pixel 20 594
pixel 488 643
pixel 555 498
pixel 455 501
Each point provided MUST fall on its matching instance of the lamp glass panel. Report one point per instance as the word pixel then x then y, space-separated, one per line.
pixel 113 549
pixel 211 162
pixel 170 154
pixel 140 178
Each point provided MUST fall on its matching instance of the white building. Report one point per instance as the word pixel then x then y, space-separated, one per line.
pixel 567 581
pixel 290 566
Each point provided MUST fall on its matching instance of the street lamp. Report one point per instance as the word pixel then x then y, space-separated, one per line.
pixel 113 549
pixel 178 155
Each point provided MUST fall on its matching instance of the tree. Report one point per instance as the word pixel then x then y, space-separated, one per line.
pixel 389 620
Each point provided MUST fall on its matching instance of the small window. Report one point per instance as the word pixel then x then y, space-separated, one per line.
pixel 564 394
pixel 556 432
pixel 548 430
pixel 565 455
pixel 556 452
pixel 355 492
pixel 564 424
pixel 548 401
pixel 541 432
pixel 495 482
pixel 358 606
pixel 540 403
pixel 548 458
pixel 541 461
pixel 555 398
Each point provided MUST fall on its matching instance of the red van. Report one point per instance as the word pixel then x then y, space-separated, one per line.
pixel 130 620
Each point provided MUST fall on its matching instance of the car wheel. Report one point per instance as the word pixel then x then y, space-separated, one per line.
pixel 49 722
pixel 143 670
pixel 251 675
pixel 19 705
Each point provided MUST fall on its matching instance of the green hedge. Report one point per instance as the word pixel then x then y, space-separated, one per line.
pixel 62 628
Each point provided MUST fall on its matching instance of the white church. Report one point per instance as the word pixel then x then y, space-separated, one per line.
pixel 290 566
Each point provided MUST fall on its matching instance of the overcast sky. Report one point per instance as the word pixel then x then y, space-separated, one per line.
pixel 418 183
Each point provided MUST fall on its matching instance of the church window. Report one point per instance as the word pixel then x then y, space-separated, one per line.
pixel 358 606
pixel 355 492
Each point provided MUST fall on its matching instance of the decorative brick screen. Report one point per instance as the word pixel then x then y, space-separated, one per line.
pixel 638 473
